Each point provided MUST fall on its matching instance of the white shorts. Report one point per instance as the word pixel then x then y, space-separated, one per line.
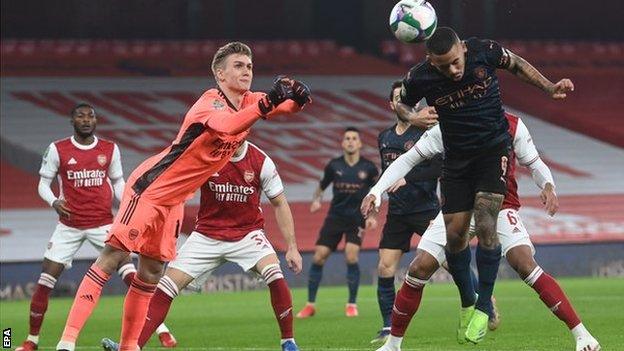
pixel 201 255
pixel 511 233
pixel 66 241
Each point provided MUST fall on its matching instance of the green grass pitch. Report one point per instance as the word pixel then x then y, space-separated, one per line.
pixel 244 321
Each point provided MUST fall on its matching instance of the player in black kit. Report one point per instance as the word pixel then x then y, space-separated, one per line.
pixel 459 83
pixel 352 176
pixel 413 204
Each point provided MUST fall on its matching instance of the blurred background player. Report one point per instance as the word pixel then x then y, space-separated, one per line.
pixel 459 82
pixel 352 176
pixel 515 241
pixel 89 173
pixel 412 204
pixel 230 227
pixel 152 206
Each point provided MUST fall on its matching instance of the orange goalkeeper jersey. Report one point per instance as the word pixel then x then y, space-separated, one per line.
pixel 209 135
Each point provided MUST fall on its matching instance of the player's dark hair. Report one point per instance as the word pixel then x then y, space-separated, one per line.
pixel 352 129
pixel 80 105
pixel 441 41
pixel 395 84
pixel 235 47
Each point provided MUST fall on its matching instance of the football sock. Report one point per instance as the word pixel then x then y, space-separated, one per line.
pixel 394 341
pixel 475 284
pixel 281 300
pixel 162 328
pixel 66 345
pixel 282 306
pixel 86 299
pixel 406 304
pixel 39 303
pixel 282 341
pixel 353 280
pixel 580 330
pixel 385 298
pixel 134 313
pixel 475 281
pixel 459 268
pixel 487 265
pixel 314 279
pixel 33 338
pixel 158 308
pixel 553 297
pixel 127 272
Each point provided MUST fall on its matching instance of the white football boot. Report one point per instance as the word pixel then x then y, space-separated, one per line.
pixel 587 343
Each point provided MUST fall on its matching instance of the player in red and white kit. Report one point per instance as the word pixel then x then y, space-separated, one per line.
pixel 515 241
pixel 152 206
pixel 89 173
pixel 230 227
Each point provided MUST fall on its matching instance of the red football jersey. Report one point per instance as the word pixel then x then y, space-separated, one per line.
pixel 83 173
pixel 524 151
pixel 230 199
pixel 512 200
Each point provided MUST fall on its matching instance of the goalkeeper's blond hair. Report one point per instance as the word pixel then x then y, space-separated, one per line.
pixel 235 47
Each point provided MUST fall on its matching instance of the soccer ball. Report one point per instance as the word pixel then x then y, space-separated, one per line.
pixel 413 21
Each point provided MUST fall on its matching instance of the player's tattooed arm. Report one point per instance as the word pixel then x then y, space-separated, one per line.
pixel 522 69
pixel 421 116
pixel 486 208
pixel 525 71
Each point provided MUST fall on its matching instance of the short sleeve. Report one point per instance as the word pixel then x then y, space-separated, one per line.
pixel 523 145
pixel 270 180
pixel 115 170
pixel 411 93
pixel 50 162
pixel 495 54
pixel 328 176
pixel 373 174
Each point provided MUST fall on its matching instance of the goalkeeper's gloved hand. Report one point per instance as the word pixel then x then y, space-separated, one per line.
pixel 281 91
pixel 301 93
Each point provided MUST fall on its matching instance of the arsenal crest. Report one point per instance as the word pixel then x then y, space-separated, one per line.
pixel 249 176
pixel 102 159
pixel 480 72
pixel 408 144
pixel 362 175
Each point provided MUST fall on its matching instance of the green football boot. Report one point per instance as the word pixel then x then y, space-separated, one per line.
pixel 478 326
pixel 465 315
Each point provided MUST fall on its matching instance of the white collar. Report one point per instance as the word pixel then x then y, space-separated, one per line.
pixel 242 155
pixel 84 147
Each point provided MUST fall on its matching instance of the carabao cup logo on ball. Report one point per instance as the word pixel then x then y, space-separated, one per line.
pixel 413 21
